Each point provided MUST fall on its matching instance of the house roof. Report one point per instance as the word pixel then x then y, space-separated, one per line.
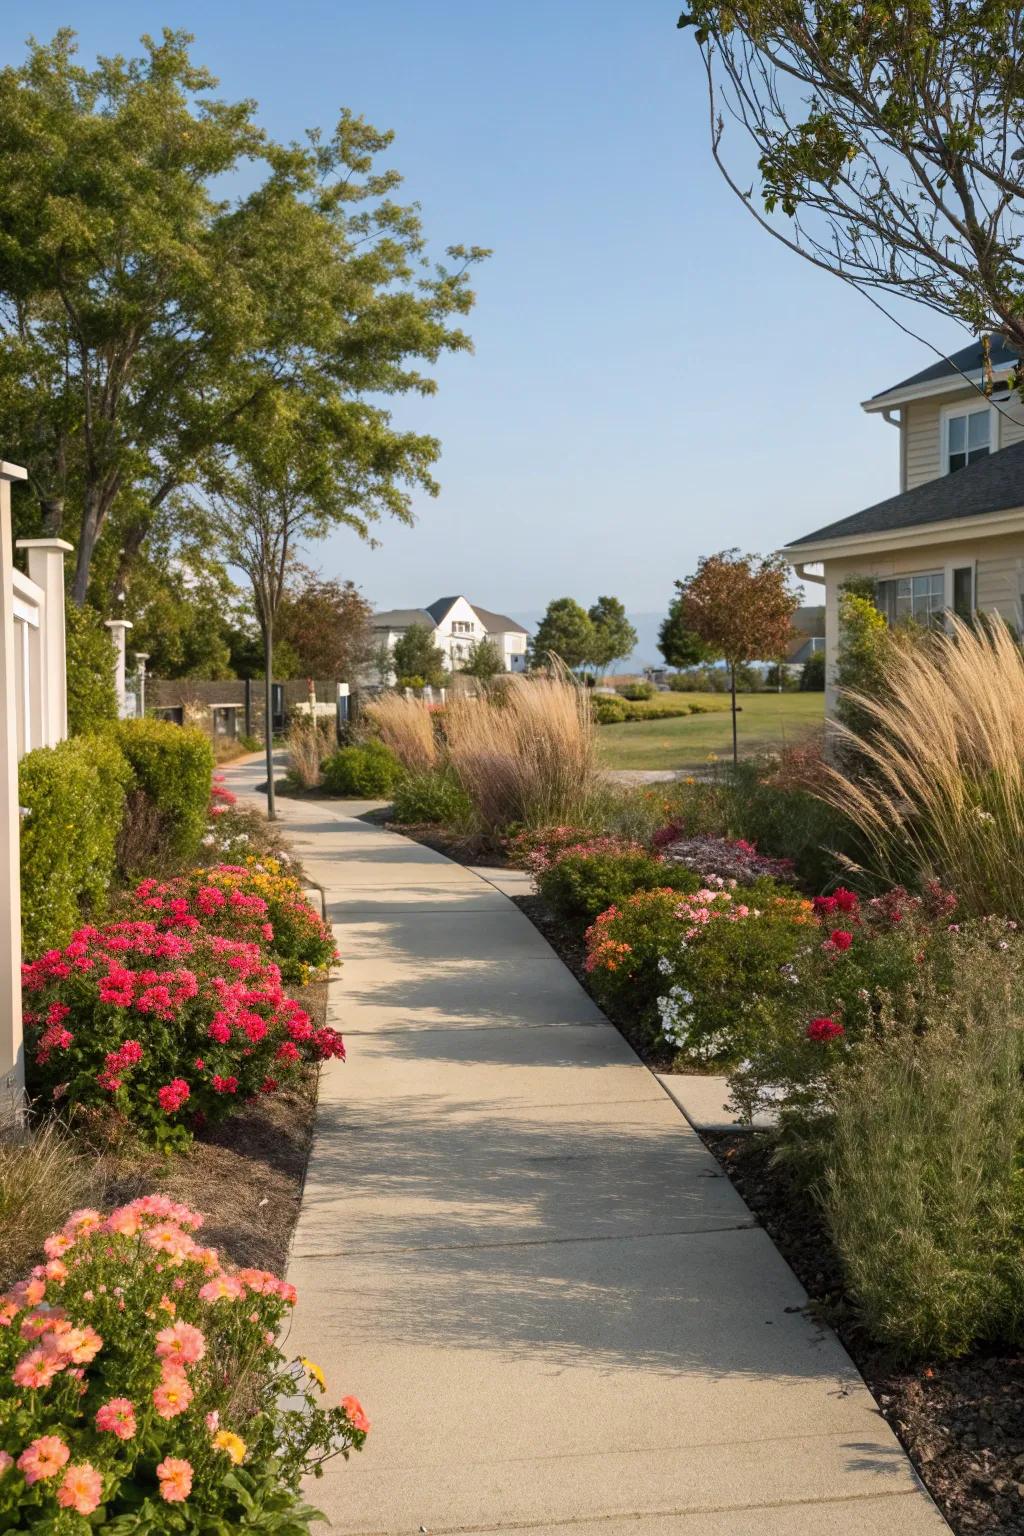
pixel 992 484
pixel 435 613
pixel 970 360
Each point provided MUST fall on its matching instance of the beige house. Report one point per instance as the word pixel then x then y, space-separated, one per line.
pixel 952 541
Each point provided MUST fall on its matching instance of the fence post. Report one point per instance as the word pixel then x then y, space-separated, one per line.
pixel 12 1057
pixel 117 629
pixel 46 569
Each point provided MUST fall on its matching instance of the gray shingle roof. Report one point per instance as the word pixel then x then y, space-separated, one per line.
pixel 993 484
pixel 969 359
pixel 401 618
pixel 498 623
pixel 434 613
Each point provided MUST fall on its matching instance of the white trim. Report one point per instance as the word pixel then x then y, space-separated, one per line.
pixel 964 408
pixel 944 386
pixel 949 530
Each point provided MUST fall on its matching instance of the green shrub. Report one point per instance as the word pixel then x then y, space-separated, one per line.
pixel 577 886
pixel 924 1192
pixel 75 796
pixel 362 772
pixel 623 951
pixel 761 804
pixel 92 697
pixel 812 673
pixel 609 711
pixel 173 765
pixel 634 691
pixel 435 797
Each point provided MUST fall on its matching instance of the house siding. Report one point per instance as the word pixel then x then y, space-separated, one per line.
pixel 998 563
pixel 922 436
pixel 1010 417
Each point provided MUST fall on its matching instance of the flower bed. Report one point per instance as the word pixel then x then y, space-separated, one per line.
pixel 162 1030
pixel 255 901
pixel 141 1384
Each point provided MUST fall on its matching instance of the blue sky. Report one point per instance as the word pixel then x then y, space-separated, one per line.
pixel 654 377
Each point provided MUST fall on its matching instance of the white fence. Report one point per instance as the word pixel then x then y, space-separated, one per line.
pixel 33 713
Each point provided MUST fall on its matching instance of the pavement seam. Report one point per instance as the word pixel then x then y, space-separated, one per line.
pixel 535 1242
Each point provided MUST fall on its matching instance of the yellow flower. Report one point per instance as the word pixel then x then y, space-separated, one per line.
pixel 233 1446
pixel 315 1371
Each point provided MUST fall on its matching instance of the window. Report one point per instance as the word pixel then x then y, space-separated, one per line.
pixel 967 438
pixel 963 592
pixel 461 627
pixel 922 598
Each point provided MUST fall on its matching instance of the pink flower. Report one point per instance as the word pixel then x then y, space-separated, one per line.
pixel 173 1095
pixel 43 1458
pixel 172 1396
pixel 175 1475
pixel 353 1411
pixel 81 1488
pixel 181 1343
pixel 36 1369
pixel 117 1418
pixel 823 1030
pixel 6 1462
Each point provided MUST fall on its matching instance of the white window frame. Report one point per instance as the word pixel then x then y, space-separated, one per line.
pixel 965 408
pixel 947 584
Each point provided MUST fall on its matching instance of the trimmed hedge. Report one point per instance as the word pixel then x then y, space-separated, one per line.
pixel 75 795
pixel 608 711
pixel 362 772
pixel 173 765
pixel 92 697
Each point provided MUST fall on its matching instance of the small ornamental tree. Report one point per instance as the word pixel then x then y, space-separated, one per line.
pixel 741 607
pixel 679 645
pixel 614 635
pixel 565 631
pixel 327 624
pixel 484 660
pixel 415 656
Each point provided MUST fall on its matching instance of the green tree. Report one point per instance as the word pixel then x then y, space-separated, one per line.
pixel 679 645
pixel 146 321
pixel 884 136
pixel 565 631
pixel 92 697
pixel 484 660
pixel 864 641
pixel 417 661
pixel 812 673
pixel 614 635
pixel 742 607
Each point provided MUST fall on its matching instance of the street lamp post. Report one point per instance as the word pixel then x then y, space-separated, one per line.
pixel 141 657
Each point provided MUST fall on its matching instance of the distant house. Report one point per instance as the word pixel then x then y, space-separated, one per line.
pixel 809 636
pixel 456 626
pixel 952 541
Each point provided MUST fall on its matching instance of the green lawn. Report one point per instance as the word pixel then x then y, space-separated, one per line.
pixel 766 720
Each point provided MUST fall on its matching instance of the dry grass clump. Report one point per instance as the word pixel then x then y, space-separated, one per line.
pixel 43 1177
pixel 525 753
pixel 311 740
pixel 407 727
pixel 938 783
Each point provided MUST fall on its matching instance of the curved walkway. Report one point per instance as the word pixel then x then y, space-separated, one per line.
pixel 559 1315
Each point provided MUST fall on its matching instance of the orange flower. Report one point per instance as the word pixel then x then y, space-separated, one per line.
pixel 175 1476
pixel 43 1458
pixel 172 1396
pixel 81 1488
pixel 353 1411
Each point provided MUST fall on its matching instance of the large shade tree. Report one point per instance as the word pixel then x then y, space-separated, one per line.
pixel 884 143
pixel 147 323
pixel 613 635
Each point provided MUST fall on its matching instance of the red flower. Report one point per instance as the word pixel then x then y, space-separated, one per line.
pixel 824 906
pixel 173 1095
pixel 822 1030
pixel 840 939
pixel 225 1084
pixel 846 901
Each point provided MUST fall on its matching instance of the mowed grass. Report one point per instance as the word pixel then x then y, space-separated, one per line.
pixel 766 721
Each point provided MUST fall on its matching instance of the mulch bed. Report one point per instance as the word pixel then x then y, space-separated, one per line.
pixel 961 1421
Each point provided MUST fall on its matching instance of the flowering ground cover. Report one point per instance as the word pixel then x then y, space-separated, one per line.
pixel 142 1386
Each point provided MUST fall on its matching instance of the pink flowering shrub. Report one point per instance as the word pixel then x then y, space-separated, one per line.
pixel 534 849
pixel 162 1029
pixel 256 902
pixel 142 1387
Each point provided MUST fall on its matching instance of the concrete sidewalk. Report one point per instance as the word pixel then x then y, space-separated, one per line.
pixel 558 1313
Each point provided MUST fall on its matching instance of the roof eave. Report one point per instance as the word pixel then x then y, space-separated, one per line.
pixel 948 530
pixel 947 386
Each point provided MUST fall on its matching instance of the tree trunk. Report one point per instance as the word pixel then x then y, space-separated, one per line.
pixel 732 689
pixel 268 722
pixel 52 508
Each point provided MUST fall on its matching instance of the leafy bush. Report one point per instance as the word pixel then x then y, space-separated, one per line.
pixel 255 902
pixel 624 948
pixel 812 673
pixel 923 1189
pixel 173 764
pixel 159 1030
pixel 75 796
pixel 140 1402
pixel 92 696
pixel 609 711
pixel 585 880
pixel 432 798
pixel 362 772
pixel 633 691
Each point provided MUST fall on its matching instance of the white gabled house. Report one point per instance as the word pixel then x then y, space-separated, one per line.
pixel 456 625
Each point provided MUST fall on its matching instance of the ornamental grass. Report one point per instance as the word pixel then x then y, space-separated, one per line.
pixel 407 727
pixel 935 780
pixel 525 753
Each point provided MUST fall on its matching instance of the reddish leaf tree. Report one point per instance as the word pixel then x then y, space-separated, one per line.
pixel 741 607
pixel 327 623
